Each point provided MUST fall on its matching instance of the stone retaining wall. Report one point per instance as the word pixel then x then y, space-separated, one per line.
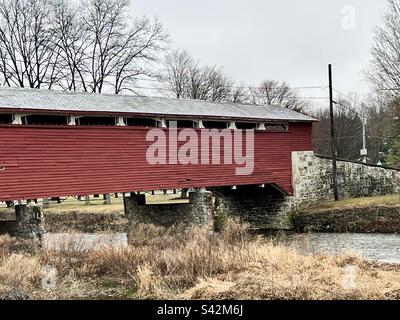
pixel 312 178
pixel 312 184
pixel 85 222
pixel 383 219
pixel 263 208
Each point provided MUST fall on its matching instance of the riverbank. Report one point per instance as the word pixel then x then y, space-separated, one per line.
pixel 190 264
pixel 362 215
pixel 96 217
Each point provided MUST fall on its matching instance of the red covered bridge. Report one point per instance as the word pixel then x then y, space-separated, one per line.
pixel 55 143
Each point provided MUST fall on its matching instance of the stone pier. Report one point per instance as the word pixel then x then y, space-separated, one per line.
pixel 263 208
pixel 268 208
pixel 198 211
pixel 28 223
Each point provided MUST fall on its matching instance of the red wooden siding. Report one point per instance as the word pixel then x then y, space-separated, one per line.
pixel 40 162
pixel 301 136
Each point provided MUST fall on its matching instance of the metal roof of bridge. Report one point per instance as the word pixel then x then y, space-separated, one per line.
pixel 52 101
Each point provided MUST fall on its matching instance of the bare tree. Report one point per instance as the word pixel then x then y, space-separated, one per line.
pixel 28 57
pixel 72 39
pixel 384 73
pixel 239 95
pixel 379 126
pixel 119 48
pixel 139 49
pixel 384 131
pixel 177 65
pixel 186 78
pixel 385 67
pixel 348 129
pixel 90 46
pixel 272 92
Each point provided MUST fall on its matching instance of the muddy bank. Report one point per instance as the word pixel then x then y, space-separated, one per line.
pixel 364 219
pixel 85 222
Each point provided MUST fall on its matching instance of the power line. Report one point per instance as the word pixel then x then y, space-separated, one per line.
pixel 349 109
pixel 343 95
pixel 230 93
pixel 361 116
pixel 337 138
pixel 356 136
pixel 240 87
pixel 350 99
pixel 161 80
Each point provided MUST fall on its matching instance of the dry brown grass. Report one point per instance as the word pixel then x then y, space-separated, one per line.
pixel 195 263
pixel 20 270
pixel 19 267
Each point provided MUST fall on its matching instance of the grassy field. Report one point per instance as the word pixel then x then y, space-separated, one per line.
pixel 192 264
pixel 96 206
pixel 73 205
pixel 390 200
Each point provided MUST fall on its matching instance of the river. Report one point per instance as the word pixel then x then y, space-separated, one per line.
pixel 380 247
pixel 375 246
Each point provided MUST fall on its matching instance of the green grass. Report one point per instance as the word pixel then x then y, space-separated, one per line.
pixel 7 214
pixel 391 200
pixel 71 205
pixel 6 210
pixel 96 206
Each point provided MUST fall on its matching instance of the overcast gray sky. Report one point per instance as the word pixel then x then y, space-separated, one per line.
pixel 289 40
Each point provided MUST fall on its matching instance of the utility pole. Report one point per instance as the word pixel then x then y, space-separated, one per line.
pixel 364 150
pixel 333 138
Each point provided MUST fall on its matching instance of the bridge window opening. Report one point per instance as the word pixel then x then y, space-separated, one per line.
pixel 182 123
pixel 46 120
pixel 246 125
pixel 215 124
pixel 6 118
pixel 276 127
pixel 141 122
pixel 96 121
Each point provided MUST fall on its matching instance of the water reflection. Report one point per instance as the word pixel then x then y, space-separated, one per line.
pixel 84 241
pixel 380 247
